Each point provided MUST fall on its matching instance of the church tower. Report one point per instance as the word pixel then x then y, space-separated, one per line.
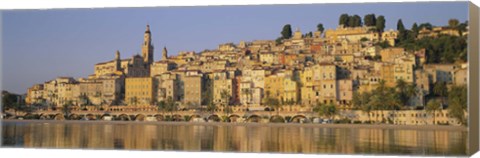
pixel 147 47
pixel 118 61
pixel 164 53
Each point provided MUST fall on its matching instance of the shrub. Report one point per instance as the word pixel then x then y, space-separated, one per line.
pixel 168 118
pixel 187 118
pixel 288 118
pixel 225 119
pixel 343 121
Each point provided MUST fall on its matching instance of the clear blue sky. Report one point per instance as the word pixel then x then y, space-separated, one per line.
pixel 40 45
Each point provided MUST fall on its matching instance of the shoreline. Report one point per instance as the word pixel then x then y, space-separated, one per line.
pixel 309 125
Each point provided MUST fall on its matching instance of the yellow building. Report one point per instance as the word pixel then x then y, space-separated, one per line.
pixel 345 92
pixel 34 94
pixel 390 54
pixel 139 90
pixel 165 86
pixel 274 87
pixel 460 76
pixel 291 90
pixel 387 74
pixel 110 67
pixel 193 89
pixel 403 69
pixel 222 83
pixel 352 34
pixel 160 67
pixel 390 37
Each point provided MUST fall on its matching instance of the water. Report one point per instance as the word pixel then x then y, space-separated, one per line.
pixel 227 138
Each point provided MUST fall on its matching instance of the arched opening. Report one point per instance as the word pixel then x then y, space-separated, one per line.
pixel 91 117
pixel 140 117
pixel 123 117
pixel 254 118
pixel 30 116
pixel 196 118
pixel 44 117
pixel 106 117
pixel 159 117
pixel 234 118
pixel 277 119
pixel 298 119
pixel 59 117
pixel 74 117
pixel 177 117
pixel 213 118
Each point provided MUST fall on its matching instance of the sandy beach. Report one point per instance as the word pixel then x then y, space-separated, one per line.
pixel 311 125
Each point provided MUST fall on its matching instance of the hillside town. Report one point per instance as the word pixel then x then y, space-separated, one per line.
pixel 351 68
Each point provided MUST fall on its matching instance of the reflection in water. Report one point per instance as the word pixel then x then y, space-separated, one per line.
pixel 234 138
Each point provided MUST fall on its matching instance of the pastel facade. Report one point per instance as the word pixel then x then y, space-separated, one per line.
pixel 139 90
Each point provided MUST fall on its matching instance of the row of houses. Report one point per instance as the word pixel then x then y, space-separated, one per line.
pixel 302 70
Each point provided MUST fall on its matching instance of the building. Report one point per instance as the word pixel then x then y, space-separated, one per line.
pixel 139 91
pixel 352 34
pixel 35 94
pixel 223 88
pixel 193 86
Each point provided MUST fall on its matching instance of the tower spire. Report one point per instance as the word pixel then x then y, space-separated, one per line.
pixel 148 29
pixel 147 47
pixel 164 53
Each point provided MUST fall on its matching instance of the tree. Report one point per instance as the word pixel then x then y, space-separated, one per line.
pixel 453 23
pixel 402 33
pixel 9 101
pixel 343 20
pixel 287 31
pixel 415 29
pixel 362 100
pixel 162 106
pixel 427 26
pixel 226 101
pixel 171 106
pixel 457 103
pixel 67 108
pixel 273 103
pixel 432 107
pixel 354 21
pixel 370 20
pixel 462 27
pixel 326 110
pixel 134 100
pixel 440 89
pixel 405 91
pixel 380 23
pixel 320 27
pixel 400 26
pixel 211 107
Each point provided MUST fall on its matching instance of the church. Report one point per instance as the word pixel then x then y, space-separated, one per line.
pixel 136 66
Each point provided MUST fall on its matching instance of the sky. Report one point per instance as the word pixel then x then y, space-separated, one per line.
pixel 40 45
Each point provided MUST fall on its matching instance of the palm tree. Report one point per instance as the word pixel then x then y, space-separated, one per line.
pixel 411 90
pixel 171 106
pixel 362 100
pixel 432 107
pixel 162 106
pixel 67 108
pixel 225 101
pixel 134 100
pixel 211 107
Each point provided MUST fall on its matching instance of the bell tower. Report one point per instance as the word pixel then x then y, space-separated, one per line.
pixel 164 53
pixel 147 47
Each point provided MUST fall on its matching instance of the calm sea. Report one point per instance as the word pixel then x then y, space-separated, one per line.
pixel 232 138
